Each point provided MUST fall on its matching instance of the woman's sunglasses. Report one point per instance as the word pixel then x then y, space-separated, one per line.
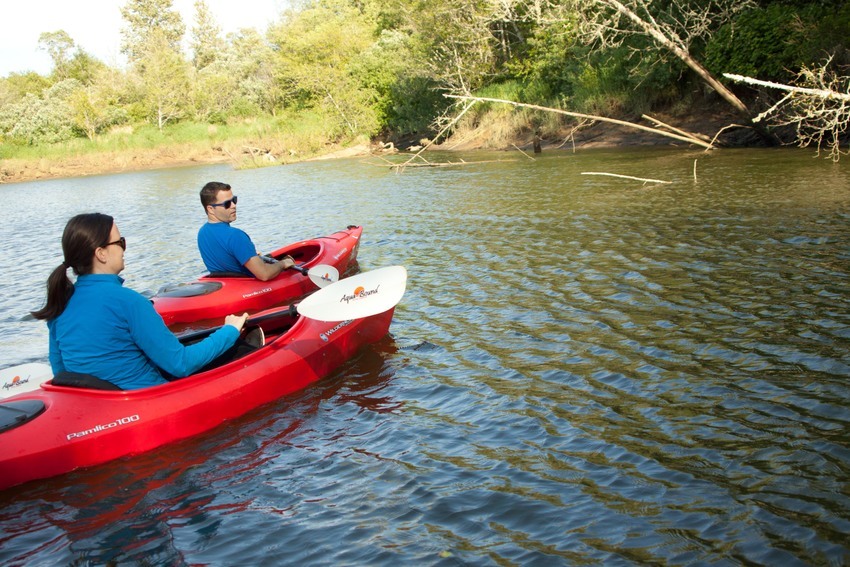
pixel 225 204
pixel 122 242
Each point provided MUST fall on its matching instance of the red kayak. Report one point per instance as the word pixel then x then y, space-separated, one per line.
pixel 218 295
pixel 57 429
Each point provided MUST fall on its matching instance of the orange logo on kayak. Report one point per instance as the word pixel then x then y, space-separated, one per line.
pixel 16 381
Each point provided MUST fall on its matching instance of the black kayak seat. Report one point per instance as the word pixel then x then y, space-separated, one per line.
pixel 192 289
pixel 16 413
pixel 80 380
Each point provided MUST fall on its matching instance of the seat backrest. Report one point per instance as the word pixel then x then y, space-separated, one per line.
pixel 79 380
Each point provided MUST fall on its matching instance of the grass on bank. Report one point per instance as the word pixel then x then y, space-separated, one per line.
pixel 246 143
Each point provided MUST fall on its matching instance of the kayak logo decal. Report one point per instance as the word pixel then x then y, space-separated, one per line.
pixel 327 334
pixel 16 382
pixel 103 427
pixel 359 293
pixel 258 292
pixel 341 253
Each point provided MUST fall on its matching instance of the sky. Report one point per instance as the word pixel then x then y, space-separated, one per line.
pixel 95 26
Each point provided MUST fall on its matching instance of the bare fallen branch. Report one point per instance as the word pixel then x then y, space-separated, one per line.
pixel 435 163
pixel 437 137
pixel 523 153
pixel 626 177
pixel 658 122
pixel 687 139
pixel 823 93
pixel 818 110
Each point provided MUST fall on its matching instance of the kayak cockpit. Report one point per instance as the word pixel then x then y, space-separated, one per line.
pixel 16 413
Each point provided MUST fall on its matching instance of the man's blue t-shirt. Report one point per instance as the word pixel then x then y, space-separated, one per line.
pixel 225 248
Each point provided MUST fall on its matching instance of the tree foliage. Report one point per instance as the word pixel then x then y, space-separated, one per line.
pixel 381 66
pixel 206 37
pixel 58 45
pixel 149 21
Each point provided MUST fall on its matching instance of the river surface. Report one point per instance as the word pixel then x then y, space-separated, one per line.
pixel 584 369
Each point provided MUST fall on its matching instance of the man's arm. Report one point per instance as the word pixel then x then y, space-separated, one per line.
pixel 264 271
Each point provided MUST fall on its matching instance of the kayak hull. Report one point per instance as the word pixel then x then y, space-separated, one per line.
pixel 215 297
pixel 84 427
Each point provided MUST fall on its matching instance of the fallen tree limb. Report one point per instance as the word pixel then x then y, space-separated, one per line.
pixel 822 93
pixel 818 111
pixel 657 122
pixel 437 137
pixel 436 163
pixel 688 139
pixel 522 152
pixel 626 177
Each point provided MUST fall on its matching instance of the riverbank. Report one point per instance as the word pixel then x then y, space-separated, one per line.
pixel 705 125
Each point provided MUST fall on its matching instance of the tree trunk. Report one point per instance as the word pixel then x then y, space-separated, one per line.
pixel 695 65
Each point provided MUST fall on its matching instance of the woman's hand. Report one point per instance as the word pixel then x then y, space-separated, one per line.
pixel 237 321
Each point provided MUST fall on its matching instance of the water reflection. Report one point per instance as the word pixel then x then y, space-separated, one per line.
pixel 583 370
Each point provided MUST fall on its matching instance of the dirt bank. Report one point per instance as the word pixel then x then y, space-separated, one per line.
pixel 601 134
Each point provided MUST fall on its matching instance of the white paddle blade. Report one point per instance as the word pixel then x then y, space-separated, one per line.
pixel 365 294
pixel 23 378
pixel 323 275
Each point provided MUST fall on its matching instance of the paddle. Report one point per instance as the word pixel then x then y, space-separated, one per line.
pixel 365 294
pixel 23 378
pixel 320 274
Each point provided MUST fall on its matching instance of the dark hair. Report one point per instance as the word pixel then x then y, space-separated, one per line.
pixel 83 235
pixel 210 191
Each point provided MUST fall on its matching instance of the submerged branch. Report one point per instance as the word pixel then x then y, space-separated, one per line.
pixel 626 177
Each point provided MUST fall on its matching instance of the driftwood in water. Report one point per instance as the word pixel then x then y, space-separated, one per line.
pixel 625 177
pixel 400 166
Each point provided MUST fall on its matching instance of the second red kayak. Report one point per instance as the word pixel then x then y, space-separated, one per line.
pixel 216 295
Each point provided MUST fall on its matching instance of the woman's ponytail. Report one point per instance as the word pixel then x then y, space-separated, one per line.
pixel 59 291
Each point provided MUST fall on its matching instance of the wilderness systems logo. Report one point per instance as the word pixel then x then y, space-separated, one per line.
pixel 16 382
pixel 360 293
pixel 258 292
pixel 341 253
pixel 327 334
pixel 103 427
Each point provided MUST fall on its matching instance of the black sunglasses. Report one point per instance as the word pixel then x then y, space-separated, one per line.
pixel 122 242
pixel 225 204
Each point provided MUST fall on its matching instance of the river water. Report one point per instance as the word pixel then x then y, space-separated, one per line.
pixel 584 370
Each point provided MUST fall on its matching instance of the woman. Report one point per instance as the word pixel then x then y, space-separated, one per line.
pixel 101 328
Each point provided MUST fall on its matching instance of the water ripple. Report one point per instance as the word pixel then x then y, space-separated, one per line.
pixel 582 372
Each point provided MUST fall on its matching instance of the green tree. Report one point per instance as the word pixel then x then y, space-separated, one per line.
pixel 258 84
pixel 163 71
pixel 17 85
pixel 144 17
pixel 58 45
pixel 316 48
pixel 100 103
pixel 206 37
pixel 41 119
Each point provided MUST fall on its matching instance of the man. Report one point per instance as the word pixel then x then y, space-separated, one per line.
pixel 228 249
